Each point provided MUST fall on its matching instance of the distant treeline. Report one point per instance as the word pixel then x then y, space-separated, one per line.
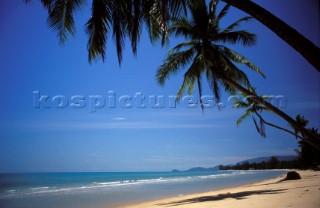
pixel 308 158
pixel 273 163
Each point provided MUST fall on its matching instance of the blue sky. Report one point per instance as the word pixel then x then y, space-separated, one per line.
pixel 138 139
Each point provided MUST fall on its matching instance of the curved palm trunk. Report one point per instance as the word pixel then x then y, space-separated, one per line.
pixel 301 44
pixel 312 139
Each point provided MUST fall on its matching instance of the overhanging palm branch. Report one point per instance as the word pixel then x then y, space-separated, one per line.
pixel 61 16
pixel 121 18
pixel 97 27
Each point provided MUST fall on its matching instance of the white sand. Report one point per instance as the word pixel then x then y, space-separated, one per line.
pixel 304 193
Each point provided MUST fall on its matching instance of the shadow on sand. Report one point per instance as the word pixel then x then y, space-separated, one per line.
pixel 238 196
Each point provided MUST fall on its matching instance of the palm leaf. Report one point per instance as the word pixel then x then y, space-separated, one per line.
pixel 189 80
pixel 212 10
pixel 120 21
pixel 155 15
pixel 223 12
pixel 241 104
pixel 187 44
pixel 238 58
pixel 262 128
pixel 235 74
pixel 172 63
pixel 97 29
pixel 61 17
pixel 244 116
pixel 181 27
pixel 214 84
pixel 237 23
pixel 177 8
pixel 241 36
pixel 200 90
pixel 135 25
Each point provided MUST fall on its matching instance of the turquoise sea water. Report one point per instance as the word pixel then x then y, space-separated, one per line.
pixel 95 190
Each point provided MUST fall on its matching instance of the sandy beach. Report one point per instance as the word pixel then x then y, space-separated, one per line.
pixel 272 193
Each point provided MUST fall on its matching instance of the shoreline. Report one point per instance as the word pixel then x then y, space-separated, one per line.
pixel 268 193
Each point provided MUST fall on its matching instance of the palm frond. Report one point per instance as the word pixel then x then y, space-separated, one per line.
pixel 256 125
pixel 244 116
pixel 237 23
pixel 223 12
pixel 212 10
pixel 177 8
pixel 187 44
pixel 120 19
pixel 97 29
pixel 241 36
pixel 181 27
pixel 301 121
pixel 61 18
pixel 235 74
pixel 172 63
pixel 118 27
pixel 238 58
pixel 262 128
pixel 155 15
pixel 189 80
pixel 241 104
pixel 135 25
pixel 200 90
pixel 214 84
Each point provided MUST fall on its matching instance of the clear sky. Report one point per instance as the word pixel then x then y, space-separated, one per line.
pixel 137 139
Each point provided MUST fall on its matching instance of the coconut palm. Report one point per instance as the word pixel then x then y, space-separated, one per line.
pixel 302 122
pixel 124 18
pixel 203 52
pixel 300 43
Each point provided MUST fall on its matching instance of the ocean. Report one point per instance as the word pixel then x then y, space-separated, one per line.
pixel 108 190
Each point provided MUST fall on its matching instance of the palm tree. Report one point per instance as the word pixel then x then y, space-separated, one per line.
pixel 301 44
pixel 123 17
pixel 309 157
pixel 302 122
pixel 203 53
